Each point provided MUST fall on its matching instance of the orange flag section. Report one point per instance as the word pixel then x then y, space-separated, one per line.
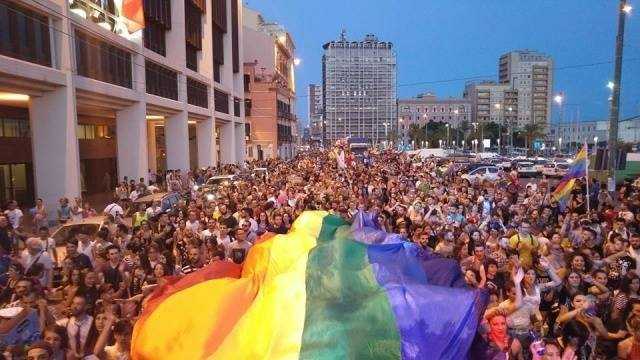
pixel 225 311
pixel 133 11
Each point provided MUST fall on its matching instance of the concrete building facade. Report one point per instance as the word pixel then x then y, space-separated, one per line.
pixel 570 135
pixel 359 89
pixel 426 108
pixel 531 74
pixel 315 112
pixel 269 73
pixel 491 102
pixel 87 97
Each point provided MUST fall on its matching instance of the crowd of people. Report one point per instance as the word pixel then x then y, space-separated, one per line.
pixel 563 279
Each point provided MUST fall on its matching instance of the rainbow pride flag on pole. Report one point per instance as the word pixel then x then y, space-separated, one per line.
pixel 318 292
pixel 577 170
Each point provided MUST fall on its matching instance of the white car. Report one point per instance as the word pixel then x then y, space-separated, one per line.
pixel 526 169
pixel 539 163
pixel 482 173
pixel 555 169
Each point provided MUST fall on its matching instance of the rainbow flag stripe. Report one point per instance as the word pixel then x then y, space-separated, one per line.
pixel 577 170
pixel 315 293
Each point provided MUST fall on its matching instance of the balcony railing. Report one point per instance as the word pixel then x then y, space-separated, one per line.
pixel 161 81
pixel 102 61
pixel 221 101
pixel 197 93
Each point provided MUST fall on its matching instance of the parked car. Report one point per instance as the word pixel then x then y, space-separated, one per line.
pixel 526 169
pixel 539 163
pixel 555 169
pixel 483 173
pixel 89 226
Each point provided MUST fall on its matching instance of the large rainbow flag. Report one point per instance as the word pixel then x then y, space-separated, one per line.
pixel 325 290
pixel 577 170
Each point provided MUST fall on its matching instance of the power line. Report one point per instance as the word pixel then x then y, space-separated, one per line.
pixel 488 76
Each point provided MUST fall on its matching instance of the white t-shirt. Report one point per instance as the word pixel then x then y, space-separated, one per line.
pixel 114 210
pixel 86 249
pixel 14 216
pixel 193 226
pixel 153 211
pixel 43 258
pixel 48 245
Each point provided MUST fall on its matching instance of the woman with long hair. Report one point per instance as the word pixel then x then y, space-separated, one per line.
pixel 56 337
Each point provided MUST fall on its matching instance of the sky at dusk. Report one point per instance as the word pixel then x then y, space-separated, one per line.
pixel 441 40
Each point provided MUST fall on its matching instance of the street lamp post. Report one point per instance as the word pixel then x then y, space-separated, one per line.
pixel 623 11
pixel 448 143
pixel 560 144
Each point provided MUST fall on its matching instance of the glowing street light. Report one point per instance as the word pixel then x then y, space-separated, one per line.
pixel 611 85
pixel 558 99
pixel 297 61
pixel 627 8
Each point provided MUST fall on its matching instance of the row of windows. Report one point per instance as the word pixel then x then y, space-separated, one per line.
pixel 24 34
pixel 14 128
pixel 91 131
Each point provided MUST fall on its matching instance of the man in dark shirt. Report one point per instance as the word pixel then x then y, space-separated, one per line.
pixel 227 218
pixel 278 226
pixel 80 261
pixel 5 239
pixel 116 268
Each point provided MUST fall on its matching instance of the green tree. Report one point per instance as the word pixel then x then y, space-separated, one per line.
pixel 533 131
pixel 416 133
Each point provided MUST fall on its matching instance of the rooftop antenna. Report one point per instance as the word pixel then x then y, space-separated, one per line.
pixel 343 35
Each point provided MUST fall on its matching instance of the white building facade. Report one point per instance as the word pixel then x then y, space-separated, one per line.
pixel 531 74
pixel 167 96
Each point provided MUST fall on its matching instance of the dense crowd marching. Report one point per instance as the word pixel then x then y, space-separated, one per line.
pixel 563 280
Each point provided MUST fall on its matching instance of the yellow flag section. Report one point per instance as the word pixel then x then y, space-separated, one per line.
pixel 260 315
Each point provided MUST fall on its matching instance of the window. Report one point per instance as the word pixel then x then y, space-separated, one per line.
pixel 247 82
pixel 221 101
pixel 14 128
pixel 247 107
pixel 24 34
pixel 235 51
pixel 157 15
pixel 197 93
pixel 161 81
pixel 236 107
pixel 102 61
pixel 193 31
pixel 91 131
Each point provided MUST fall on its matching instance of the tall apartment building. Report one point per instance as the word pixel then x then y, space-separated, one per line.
pixel 315 112
pixel 270 89
pixel 531 74
pixel 91 92
pixel 427 107
pixel 359 88
pixel 491 102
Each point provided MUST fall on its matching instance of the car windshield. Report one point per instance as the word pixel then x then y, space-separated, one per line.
pixel 64 233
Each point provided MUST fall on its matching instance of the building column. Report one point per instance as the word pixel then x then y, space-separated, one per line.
pixel 227 143
pixel 131 130
pixel 54 141
pixel 206 138
pixel 240 144
pixel 152 147
pixel 176 134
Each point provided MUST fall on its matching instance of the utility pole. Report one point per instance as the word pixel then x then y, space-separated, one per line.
pixel 615 98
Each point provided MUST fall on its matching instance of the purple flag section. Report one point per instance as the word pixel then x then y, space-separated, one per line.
pixel 436 315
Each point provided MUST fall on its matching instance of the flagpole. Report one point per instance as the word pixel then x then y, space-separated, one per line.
pixel 587 174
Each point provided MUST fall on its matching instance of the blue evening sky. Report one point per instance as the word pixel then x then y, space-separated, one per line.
pixel 439 40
